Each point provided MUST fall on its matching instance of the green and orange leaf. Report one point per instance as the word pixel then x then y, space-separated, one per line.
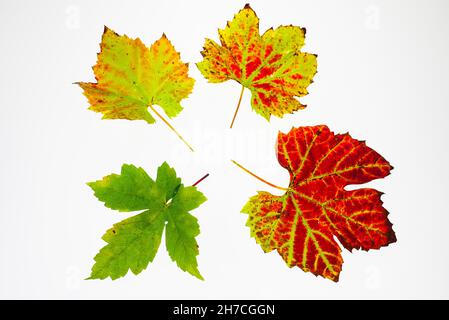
pixel 272 66
pixel 304 223
pixel 132 78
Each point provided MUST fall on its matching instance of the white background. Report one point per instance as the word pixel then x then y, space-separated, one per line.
pixel 383 76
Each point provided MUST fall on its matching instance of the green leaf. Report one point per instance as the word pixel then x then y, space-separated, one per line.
pixel 132 190
pixel 133 243
pixel 188 198
pixel 182 228
pixel 167 180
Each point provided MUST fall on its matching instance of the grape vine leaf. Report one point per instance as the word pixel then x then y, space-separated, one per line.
pixel 133 243
pixel 271 66
pixel 132 78
pixel 302 223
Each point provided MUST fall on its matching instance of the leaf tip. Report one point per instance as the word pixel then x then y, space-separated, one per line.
pixel 90 184
pixel 391 236
pixel 106 30
pixel 165 164
pixel 196 273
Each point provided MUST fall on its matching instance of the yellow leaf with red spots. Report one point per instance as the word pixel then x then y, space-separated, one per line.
pixel 272 66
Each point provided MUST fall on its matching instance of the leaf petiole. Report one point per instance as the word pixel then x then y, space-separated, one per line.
pixel 204 177
pixel 238 106
pixel 257 177
pixel 171 127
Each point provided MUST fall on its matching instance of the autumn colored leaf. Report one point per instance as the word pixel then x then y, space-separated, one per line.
pixel 316 210
pixel 271 65
pixel 132 78
pixel 165 203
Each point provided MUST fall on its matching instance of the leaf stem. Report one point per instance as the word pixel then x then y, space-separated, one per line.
pixel 171 127
pixel 238 106
pixel 257 177
pixel 204 177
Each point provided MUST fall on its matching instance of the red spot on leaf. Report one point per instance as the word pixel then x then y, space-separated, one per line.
pixel 236 70
pixel 264 86
pixel 252 66
pixel 264 72
pixel 265 100
pixel 268 50
pixel 275 59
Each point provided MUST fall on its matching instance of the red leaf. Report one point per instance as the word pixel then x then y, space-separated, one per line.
pixel 302 224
